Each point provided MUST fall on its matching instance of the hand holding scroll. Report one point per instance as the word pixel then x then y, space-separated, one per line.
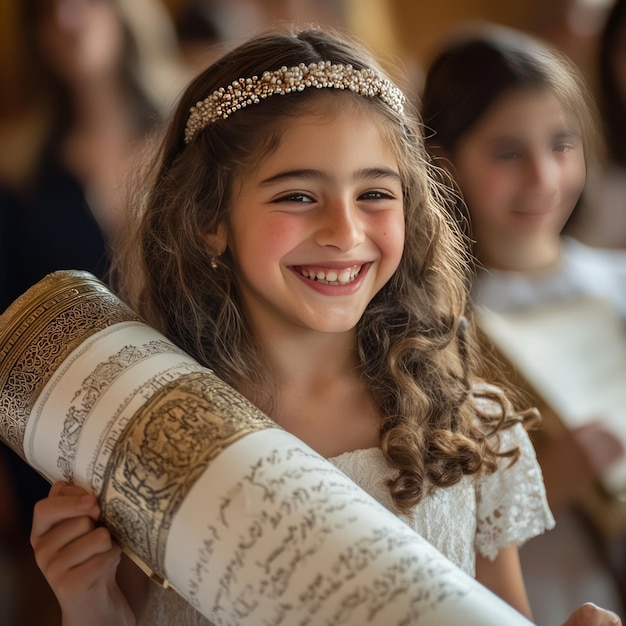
pixel 591 615
pixel 78 559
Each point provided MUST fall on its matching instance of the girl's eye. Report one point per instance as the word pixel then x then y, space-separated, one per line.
pixel 294 197
pixel 508 156
pixel 563 147
pixel 376 195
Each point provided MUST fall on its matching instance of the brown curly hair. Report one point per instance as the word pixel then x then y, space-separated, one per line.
pixel 416 352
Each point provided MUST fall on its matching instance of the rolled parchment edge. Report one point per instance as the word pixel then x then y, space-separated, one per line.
pixel 30 345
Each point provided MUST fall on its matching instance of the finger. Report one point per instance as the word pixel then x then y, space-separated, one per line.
pixel 590 614
pixel 53 510
pixel 62 488
pixel 56 488
pixel 78 552
pixel 91 571
pixel 71 490
pixel 59 537
pixel 614 619
pixel 75 581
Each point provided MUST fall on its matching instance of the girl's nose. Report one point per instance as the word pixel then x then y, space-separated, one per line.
pixel 340 226
pixel 543 173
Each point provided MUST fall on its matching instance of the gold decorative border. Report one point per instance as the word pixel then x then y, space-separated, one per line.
pixel 161 453
pixel 38 331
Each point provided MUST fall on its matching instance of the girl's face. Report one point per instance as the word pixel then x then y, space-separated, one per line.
pixel 318 227
pixel 521 170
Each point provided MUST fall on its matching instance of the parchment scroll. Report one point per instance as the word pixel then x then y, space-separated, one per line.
pixel 245 521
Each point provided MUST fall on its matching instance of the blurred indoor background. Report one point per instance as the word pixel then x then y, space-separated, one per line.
pixel 174 39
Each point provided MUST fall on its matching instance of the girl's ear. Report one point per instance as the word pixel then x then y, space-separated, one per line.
pixel 217 241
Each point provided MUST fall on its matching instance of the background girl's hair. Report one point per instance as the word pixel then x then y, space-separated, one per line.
pixel 416 355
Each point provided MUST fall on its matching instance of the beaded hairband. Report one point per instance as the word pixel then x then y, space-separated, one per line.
pixel 240 93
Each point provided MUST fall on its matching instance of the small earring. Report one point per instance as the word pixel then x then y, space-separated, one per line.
pixel 214 263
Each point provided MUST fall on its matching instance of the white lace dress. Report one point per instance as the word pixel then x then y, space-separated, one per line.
pixel 506 507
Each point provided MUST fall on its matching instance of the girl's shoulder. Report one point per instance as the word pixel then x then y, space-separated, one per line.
pixel 490 399
pixel 504 425
pixel 493 406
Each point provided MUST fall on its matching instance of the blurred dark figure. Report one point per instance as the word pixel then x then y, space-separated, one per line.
pixel 79 105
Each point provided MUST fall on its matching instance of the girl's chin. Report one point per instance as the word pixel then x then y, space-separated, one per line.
pixel 526 256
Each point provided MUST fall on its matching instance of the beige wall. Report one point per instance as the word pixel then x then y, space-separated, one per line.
pixel 406 32
pixel 414 28
pixel 421 23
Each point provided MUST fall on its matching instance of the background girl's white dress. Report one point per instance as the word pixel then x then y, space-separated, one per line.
pixel 559 578
pixel 484 516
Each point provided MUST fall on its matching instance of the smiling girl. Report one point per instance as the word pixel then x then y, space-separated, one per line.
pixel 295 241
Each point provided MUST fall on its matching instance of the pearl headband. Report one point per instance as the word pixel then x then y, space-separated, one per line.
pixel 240 93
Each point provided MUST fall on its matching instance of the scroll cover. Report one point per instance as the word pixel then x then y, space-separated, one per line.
pixel 246 522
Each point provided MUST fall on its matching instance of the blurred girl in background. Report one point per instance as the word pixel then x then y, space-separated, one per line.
pixel 512 122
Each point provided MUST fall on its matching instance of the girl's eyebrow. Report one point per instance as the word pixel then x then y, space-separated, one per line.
pixel 567 134
pixel 368 173
pixel 377 172
pixel 559 135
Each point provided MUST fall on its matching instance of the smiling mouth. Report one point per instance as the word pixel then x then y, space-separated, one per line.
pixel 330 276
pixel 530 213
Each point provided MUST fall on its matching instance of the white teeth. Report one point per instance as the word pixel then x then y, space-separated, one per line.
pixel 344 277
pixel 332 277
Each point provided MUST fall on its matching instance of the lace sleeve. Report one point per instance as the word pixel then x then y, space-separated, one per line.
pixel 511 502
